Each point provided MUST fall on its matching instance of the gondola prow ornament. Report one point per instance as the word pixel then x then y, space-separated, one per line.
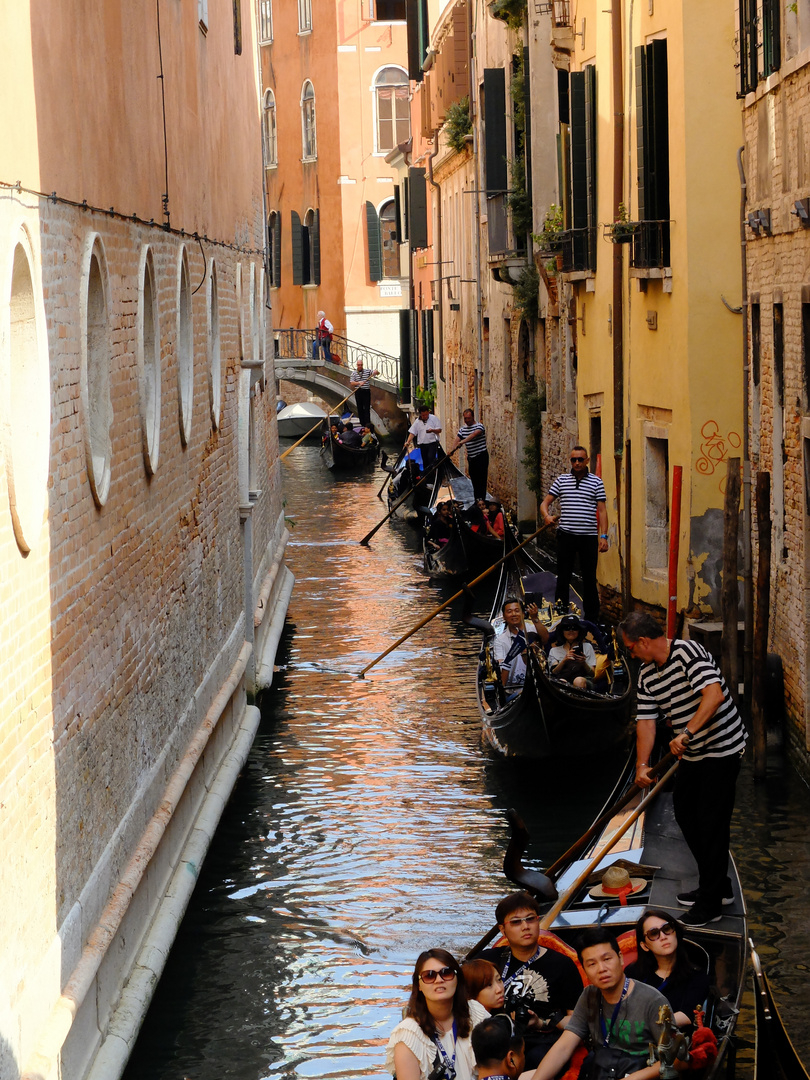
pixel 672 1046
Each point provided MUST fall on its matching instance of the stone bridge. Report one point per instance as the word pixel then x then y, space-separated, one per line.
pixel 329 380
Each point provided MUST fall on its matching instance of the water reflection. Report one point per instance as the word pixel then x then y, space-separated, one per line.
pixel 368 823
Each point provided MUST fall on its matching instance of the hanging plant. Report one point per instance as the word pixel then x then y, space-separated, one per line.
pixel 525 297
pixel 549 241
pixel 458 124
pixel 511 12
pixel 621 230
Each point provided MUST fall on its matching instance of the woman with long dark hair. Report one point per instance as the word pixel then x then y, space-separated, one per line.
pixel 663 962
pixel 434 1038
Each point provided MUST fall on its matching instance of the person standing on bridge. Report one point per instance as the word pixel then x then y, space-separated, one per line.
pixel 323 337
pixel 474 437
pixel 360 383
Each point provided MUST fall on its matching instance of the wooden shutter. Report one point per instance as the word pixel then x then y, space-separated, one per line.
pixel 398 235
pixel 641 131
pixel 416 15
pixel 296 240
pixel 527 108
pixel 771 36
pixel 406 327
pixel 495 130
pixel 315 249
pixel 275 248
pixel 590 143
pixel 417 208
pixel 406 209
pixel 579 168
pixel 373 243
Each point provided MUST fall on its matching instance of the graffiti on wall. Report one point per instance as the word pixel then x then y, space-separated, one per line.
pixel 715 448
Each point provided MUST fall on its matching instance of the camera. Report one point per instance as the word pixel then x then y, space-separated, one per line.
pixel 519 1000
pixel 442 1070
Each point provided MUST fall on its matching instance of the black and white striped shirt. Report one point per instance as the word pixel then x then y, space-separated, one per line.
pixel 360 380
pixel 476 445
pixel 578 502
pixel 673 693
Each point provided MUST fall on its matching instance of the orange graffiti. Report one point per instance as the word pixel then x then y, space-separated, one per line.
pixel 714 449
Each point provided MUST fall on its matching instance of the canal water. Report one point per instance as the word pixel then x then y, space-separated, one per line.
pixel 369 824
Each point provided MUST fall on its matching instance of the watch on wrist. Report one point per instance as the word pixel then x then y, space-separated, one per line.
pixel 603 536
pixel 686 734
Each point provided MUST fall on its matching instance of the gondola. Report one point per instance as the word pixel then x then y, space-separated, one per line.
pixel 776 1057
pixel 652 849
pixel 467 552
pixel 546 716
pixel 346 458
pixel 405 477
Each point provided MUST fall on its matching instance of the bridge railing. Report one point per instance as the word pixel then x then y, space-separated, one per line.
pixel 298 345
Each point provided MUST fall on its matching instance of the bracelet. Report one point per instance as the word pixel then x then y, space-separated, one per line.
pixel 603 536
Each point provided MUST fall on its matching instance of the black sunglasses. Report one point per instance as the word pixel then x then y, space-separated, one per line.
pixel 656 931
pixel 578 459
pixel 432 974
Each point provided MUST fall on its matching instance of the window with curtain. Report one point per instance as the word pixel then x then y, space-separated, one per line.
pixel 392 108
pixel 265 20
pixel 308 136
pixel 269 140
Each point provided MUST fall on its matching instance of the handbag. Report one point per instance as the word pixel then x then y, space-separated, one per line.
pixel 609 1063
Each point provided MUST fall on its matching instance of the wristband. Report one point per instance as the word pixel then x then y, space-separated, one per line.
pixel 603 536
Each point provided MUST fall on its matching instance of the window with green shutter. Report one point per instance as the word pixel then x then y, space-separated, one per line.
pixel 417 208
pixel 373 244
pixel 651 241
pixel 296 240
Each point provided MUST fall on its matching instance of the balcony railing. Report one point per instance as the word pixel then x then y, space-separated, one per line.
pixel 650 248
pixel 560 11
pixel 578 250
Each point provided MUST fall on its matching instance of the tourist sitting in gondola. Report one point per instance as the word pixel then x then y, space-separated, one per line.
pixel 542 986
pixel 664 962
pixel 476 516
pixel 441 526
pixel 500 1052
pixel 434 1038
pixel 616 1014
pixel 509 646
pixel 572 657
pixel 494 519
pixel 484 984
pixel 349 436
pixel 368 437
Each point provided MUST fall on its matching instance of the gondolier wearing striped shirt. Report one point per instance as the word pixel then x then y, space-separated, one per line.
pixel 679 683
pixel 582 529
pixel 473 436
pixel 361 384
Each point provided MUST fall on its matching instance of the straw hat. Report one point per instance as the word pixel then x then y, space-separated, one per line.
pixel 617 884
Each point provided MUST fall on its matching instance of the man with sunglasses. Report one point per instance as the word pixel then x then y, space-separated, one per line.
pixel 499 1051
pixel 550 979
pixel 615 1015
pixel 582 531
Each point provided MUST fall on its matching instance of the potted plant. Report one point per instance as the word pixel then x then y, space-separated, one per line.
pixel 622 229
pixel 549 241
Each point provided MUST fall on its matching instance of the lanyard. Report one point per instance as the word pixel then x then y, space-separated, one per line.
pixel 507 978
pixel 608 1035
pixel 448 1062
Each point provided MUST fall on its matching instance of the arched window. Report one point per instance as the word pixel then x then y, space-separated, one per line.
pixel 388 240
pixel 308 136
pixel 392 108
pixel 270 146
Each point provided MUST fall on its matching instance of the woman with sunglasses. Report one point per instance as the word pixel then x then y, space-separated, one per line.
pixel 434 1038
pixel 663 963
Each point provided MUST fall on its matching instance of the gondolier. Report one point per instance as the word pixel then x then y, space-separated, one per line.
pixel 680 683
pixel 582 529
pixel 425 432
pixel 361 384
pixel 474 438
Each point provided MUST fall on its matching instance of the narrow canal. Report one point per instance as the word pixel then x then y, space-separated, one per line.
pixel 369 824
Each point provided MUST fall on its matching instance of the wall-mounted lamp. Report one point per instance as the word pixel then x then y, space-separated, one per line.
pixel 801 209
pixel 759 221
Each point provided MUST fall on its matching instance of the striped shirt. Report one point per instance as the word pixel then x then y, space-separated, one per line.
pixel 476 445
pixel 361 379
pixel 673 693
pixel 578 502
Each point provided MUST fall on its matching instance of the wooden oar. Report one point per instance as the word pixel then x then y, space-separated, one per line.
pixel 455 596
pixel 313 428
pixel 603 819
pixel 555 910
pixel 402 498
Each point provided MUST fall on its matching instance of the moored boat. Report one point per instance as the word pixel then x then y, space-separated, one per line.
pixel 639 834
pixel 296 420
pixel 546 716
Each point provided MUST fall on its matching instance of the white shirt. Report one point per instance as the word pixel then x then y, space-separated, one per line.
pixel 419 429
pixel 501 646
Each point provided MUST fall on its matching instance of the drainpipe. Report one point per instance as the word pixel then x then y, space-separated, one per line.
pixel 748 576
pixel 617 319
pixel 479 319
pixel 438 244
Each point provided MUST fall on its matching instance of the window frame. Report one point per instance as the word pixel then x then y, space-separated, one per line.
pixel 265 21
pixel 304 16
pixel 309 128
pixel 269 138
pixel 387 21
pixel 376 87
